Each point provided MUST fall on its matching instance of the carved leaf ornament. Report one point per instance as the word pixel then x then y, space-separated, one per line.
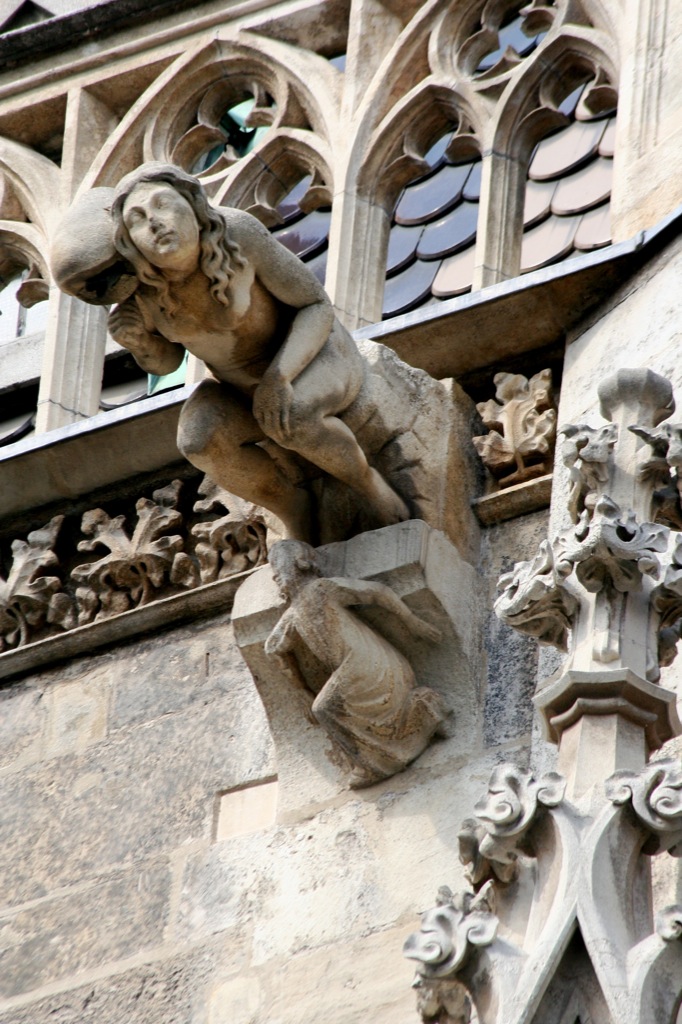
pixel 135 566
pixel 522 422
pixel 655 793
pixel 26 594
pixel 611 549
pixel 534 599
pixel 490 842
pixel 449 930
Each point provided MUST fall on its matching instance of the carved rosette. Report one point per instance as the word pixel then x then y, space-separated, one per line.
pixel 27 594
pixel 655 794
pixel 522 423
pixel 491 842
pixel 534 599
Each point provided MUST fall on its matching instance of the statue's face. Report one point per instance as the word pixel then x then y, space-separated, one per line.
pixel 162 226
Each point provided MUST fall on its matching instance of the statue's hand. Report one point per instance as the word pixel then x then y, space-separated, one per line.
pixel 272 402
pixel 427 632
pixel 126 325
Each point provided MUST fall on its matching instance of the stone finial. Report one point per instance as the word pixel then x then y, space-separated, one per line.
pixel 522 422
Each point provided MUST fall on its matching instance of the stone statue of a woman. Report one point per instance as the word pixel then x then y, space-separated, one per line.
pixel 284 371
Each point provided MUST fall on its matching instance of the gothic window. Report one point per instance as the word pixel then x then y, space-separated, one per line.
pixel 567 210
pixel 304 233
pixel 433 233
pixel 16 320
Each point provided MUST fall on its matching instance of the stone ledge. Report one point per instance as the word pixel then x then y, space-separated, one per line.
pixel 510 502
pixel 211 597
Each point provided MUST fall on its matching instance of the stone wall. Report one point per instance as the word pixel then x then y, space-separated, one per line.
pixel 136 890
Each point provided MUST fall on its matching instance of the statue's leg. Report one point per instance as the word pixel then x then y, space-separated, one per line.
pixel 217 433
pixel 318 433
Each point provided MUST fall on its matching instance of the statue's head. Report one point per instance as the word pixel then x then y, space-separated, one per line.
pixel 200 224
pixel 292 563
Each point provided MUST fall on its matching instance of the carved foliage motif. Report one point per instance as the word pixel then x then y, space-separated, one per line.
pixel 490 843
pixel 587 453
pixel 534 599
pixel 661 471
pixel 234 542
pixel 135 566
pixel 449 933
pixel 655 793
pixel 159 555
pixel 610 549
pixel 522 422
pixel 26 594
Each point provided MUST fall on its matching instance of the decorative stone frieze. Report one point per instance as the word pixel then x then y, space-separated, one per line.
pixel 522 423
pixel 27 594
pixel 157 548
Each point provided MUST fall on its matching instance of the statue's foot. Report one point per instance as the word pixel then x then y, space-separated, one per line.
pixel 387 505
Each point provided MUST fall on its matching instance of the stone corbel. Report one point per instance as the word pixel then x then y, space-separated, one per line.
pixel 316 742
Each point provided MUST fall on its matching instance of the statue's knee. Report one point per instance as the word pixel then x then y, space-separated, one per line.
pixel 198 420
pixel 299 431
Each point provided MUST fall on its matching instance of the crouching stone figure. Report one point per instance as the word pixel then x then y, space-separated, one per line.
pixel 284 373
pixel 370 704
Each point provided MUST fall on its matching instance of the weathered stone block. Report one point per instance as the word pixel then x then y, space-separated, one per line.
pixel 196 665
pixel 113 919
pixel 23 715
pixel 145 792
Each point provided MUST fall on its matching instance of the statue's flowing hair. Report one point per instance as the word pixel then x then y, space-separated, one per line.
pixel 219 254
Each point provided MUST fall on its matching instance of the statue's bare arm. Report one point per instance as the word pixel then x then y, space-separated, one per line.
pixel 356 592
pixel 292 283
pixel 153 353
